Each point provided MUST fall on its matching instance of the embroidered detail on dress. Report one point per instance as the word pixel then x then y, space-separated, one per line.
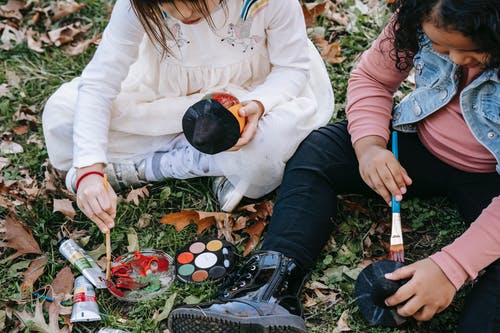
pixel 239 35
pixel 177 38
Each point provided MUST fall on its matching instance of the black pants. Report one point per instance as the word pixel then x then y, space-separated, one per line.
pixel 325 165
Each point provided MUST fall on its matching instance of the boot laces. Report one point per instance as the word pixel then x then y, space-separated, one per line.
pixel 240 279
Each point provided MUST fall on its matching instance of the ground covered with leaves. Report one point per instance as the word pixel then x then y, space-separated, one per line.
pixel 45 43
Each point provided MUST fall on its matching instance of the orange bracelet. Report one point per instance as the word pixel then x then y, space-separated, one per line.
pixel 85 175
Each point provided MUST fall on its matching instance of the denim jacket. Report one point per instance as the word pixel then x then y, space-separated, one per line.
pixel 437 79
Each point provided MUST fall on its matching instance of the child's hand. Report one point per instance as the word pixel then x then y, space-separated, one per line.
pixel 97 202
pixel 380 169
pixel 252 110
pixel 428 292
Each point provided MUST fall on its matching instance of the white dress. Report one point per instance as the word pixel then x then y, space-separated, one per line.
pixel 130 100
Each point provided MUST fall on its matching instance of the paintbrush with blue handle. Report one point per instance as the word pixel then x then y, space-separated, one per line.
pixel 396 248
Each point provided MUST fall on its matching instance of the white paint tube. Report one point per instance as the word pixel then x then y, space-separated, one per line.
pixel 84 302
pixel 83 262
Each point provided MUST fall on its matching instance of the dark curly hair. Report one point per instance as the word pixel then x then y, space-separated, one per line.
pixel 479 20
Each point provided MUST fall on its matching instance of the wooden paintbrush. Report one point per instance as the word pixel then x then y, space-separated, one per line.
pixel 108 239
pixel 396 249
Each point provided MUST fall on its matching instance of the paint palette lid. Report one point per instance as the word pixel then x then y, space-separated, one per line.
pixel 209 259
pixel 141 275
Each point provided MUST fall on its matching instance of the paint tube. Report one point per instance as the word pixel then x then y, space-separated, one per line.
pixel 110 330
pixel 83 262
pixel 84 302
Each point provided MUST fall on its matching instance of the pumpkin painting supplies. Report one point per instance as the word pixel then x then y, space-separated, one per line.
pixel 213 124
pixel 396 247
pixel 371 290
pixel 140 275
pixel 205 260
pixel 82 261
pixel 84 302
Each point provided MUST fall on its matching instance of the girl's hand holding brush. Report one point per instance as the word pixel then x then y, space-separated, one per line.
pixel 96 201
pixel 379 169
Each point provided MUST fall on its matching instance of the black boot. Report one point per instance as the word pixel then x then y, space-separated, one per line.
pixel 263 297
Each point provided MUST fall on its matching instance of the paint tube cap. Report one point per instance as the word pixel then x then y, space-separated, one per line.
pixel 62 240
pixel 371 290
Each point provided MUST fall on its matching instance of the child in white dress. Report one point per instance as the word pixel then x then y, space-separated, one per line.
pixel 122 117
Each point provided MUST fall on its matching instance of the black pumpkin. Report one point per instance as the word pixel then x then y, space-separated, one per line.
pixel 371 290
pixel 210 127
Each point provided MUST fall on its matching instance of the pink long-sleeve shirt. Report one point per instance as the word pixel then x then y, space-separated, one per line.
pixel 446 135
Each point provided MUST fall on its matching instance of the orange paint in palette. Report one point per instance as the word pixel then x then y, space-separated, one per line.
pixel 205 260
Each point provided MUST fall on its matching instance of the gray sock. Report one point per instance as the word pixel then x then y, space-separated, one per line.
pixel 180 163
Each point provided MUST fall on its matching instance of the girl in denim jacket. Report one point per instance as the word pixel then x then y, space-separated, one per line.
pixel 449 144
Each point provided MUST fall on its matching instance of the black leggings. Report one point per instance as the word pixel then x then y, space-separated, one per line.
pixel 325 165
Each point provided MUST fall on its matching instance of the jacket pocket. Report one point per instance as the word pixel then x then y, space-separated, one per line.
pixel 489 106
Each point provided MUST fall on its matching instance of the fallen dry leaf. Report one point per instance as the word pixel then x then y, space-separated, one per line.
pixel 10 37
pixel 64 206
pixel 34 271
pixel 135 194
pixel 62 283
pixel 342 325
pixel 4 90
pixel 203 220
pixel 312 11
pixel 61 289
pixel 13 9
pixel 18 238
pixel 4 161
pixel 205 223
pixel 36 321
pixel 67 33
pixel 254 231
pixel 208 219
pixel 330 52
pixel 21 129
pixel 49 182
pixel 63 9
pixel 34 41
pixel 225 228
pixel 27 113
pixel 10 147
pixel 81 46
pixel 181 219
pixel 310 301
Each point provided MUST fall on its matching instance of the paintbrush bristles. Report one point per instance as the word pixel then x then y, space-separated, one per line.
pixel 396 248
pixel 397 253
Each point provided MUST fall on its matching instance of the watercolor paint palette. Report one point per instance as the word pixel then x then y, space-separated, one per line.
pixel 205 260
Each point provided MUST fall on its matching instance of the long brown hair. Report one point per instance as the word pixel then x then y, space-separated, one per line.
pixel 151 17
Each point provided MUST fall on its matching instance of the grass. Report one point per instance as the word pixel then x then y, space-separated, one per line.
pixel 434 223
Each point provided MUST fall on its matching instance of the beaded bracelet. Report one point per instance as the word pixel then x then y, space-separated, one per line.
pixel 85 175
